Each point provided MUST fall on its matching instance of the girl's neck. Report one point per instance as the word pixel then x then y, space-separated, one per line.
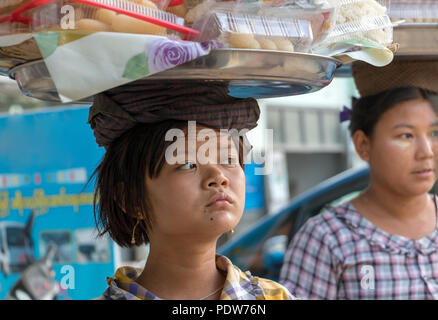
pixel 412 217
pixel 181 271
pixel 397 206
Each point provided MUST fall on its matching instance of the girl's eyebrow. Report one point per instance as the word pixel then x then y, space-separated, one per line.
pixel 403 125
pixel 406 125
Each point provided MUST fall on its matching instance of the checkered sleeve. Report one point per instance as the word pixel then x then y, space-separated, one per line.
pixel 309 267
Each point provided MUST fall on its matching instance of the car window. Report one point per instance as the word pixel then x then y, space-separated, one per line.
pixel 15 236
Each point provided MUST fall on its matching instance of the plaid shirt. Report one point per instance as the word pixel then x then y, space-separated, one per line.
pixel 339 254
pixel 238 285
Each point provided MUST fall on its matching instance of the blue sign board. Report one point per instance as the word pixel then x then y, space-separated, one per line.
pixel 46 159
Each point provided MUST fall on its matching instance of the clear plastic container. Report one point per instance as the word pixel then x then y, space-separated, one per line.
pixel 320 14
pixel 241 27
pixel 133 16
pixel 361 20
pixel 414 11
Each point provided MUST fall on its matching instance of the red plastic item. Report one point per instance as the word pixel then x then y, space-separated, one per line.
pixel 16 15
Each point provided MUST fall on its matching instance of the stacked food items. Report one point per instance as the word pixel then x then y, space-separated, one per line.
pixel 286 25
pixel 414 11
pixel 126 16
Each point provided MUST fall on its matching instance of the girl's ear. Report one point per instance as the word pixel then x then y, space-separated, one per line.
pixel 362 145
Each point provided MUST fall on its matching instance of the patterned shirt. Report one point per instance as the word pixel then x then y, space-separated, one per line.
pixel 339 254
pixel 238 285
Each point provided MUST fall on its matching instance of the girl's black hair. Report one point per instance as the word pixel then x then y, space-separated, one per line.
pixel 367 111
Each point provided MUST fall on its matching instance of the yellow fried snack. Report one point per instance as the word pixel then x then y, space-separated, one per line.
pixel 266 43
pixel 283 44
pixel 179 11
pixel 124 23
pixel 242 40
pixel 92 25
pixel 105 16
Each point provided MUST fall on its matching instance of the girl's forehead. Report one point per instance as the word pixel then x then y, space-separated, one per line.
pixel 411 111
pixel 222 137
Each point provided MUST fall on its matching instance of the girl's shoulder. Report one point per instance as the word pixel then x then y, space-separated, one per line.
pixel 274 291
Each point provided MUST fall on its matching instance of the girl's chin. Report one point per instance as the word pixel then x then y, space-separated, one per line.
pixel 223 221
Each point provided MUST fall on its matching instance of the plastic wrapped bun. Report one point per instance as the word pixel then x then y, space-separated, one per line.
pixel 127 16
pixel 241 26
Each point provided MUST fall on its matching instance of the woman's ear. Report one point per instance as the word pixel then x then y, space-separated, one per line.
pixel 362 145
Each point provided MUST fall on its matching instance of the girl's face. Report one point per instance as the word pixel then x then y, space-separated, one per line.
pixel 403 151
pixel 195 199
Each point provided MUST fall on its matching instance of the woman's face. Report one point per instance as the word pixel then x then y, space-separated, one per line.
pixel 403 151
pixel 195 199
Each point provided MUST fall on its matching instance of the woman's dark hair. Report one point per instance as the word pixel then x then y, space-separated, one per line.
pixel 367 111
pixel 120 194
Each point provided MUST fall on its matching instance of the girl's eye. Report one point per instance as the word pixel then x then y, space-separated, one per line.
pixel 188 166
pixel 406 136
pixel 435 133
pixel 231 160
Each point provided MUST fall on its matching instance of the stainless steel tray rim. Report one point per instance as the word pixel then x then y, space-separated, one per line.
pixel 284 73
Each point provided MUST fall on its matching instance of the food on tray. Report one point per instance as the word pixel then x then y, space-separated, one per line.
pixel 92 25
pixel 360 20
pixel 199 11
pixel 414 11
pixel 7 6
pixel 241 40
pixel 243 26
pixel 356 10
pixel 105 16
pixel 179 10
pixel 123 23
pixel 128 16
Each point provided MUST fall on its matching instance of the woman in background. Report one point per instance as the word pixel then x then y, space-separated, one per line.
pixel 383 244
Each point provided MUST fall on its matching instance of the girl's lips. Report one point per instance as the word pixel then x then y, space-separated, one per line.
pixel 220 203
pixel 220 199
pixel 426 173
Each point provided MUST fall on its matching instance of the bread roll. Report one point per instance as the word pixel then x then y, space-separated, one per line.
pixel 92 25
pixel 179 11
pixel 124 23
pixel 266 43
pixel 283 44
pixel 105 16
pixel 242 40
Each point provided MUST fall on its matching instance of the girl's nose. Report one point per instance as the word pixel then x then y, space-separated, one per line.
pixel 427 147
pixel 214 177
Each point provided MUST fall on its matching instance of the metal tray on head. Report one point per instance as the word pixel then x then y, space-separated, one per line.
pixel 249 73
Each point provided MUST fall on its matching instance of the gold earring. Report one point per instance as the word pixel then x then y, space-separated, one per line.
pixel 133 232
pixel 232 231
